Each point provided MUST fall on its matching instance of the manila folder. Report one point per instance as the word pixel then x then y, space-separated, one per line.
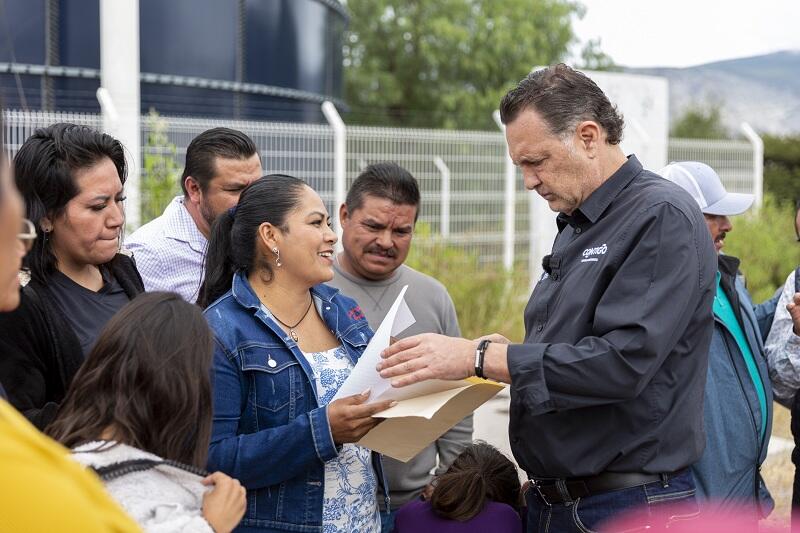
pixel 414 423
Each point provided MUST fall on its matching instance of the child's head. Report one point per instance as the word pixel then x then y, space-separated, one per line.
pixel 480 473
pixel 146 382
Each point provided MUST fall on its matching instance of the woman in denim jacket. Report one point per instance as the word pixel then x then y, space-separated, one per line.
pixel 284 344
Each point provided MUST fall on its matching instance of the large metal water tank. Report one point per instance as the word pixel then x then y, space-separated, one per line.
pixel 252 59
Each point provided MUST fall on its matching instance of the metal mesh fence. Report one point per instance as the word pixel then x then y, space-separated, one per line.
pixel 469 216
pixel 733 160
pixel 19 125
pixel 302 150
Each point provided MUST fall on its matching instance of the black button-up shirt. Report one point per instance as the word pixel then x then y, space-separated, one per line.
pixel 611 374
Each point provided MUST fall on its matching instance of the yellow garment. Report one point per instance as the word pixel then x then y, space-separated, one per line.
pixel 43 490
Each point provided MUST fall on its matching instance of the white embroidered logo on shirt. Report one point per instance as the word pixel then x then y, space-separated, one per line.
pixel 590 252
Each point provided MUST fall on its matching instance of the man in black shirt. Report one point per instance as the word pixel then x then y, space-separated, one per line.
pixel 607 388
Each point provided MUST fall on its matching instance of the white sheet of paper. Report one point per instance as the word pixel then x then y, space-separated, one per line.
pixel 364 375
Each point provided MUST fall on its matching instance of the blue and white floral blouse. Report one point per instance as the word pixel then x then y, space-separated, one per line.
pixel 350 500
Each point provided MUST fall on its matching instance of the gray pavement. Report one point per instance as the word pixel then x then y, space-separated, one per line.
pixel 491 424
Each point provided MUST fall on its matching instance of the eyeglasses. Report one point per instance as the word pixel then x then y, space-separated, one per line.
pixel 27 234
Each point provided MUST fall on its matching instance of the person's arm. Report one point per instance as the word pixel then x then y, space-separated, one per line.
pixel 26 361
pixel 434 356
pixel 765 314
pixel 794 311
pixel 275 454
pixel 642 315
pixel 271 455
pixel 783 348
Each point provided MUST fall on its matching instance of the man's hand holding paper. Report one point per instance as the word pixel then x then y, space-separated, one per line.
pixel 427 356
pixel 432 356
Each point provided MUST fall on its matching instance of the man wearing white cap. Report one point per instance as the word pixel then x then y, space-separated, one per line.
pixel 738 395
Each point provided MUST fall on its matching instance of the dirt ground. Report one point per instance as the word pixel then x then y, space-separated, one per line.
pixel 778 470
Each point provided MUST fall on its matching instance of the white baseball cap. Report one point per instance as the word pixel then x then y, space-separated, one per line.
pixel 700 180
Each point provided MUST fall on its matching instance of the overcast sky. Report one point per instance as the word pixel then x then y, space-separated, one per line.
pixel 680 33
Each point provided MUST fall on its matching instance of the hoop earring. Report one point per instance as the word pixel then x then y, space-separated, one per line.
pixel 277 257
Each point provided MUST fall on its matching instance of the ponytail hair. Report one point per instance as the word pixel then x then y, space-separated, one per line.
pixel 219 268
pixel 233 244
pixel 480 473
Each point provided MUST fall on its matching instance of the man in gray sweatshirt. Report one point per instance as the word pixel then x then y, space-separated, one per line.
pixel 377 221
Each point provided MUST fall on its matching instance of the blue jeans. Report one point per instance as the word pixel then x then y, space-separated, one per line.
pixel 656 504
pixel 387 521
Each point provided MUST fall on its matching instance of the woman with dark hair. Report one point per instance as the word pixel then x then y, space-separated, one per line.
pixel 284 344
pixel 139 413
pixel 33 468
pixel 479 492
pixel 71 179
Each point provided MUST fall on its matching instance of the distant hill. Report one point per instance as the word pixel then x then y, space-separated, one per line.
pixel 762 90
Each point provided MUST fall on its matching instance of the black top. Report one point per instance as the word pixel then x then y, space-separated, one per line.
pixel 611 374
pixel 87 311
pixel 39 351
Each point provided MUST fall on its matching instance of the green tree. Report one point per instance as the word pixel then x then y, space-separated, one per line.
pixel 782 167
pixel 447 63
pixel 593 57
pixel 700 122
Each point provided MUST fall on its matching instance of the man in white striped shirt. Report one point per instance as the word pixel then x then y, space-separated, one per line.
pixel 170 250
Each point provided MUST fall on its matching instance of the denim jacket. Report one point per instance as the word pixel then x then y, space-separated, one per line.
pixel 269 430
pixel 728 473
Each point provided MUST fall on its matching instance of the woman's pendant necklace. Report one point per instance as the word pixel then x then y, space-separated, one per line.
pixel 292 332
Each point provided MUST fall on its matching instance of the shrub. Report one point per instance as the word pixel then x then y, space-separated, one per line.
pixel 487 299
pixel 765 241
pixel 782 167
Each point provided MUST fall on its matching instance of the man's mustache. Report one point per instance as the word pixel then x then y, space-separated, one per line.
pixel 389 252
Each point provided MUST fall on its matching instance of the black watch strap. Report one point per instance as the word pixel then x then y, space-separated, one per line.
pixel 480 354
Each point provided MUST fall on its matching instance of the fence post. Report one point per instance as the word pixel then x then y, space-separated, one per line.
pixel 758 162
pixel 510 203
pixel 119 75
pixel 339 155
pixel 444 199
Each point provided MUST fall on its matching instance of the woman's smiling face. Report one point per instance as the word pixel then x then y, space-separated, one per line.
pixel 306 245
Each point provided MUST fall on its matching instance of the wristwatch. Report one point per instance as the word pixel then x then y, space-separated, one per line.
pixel 480 353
